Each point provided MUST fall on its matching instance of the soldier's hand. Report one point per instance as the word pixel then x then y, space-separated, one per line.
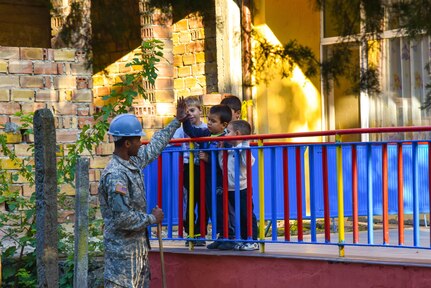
pixel 158 213
pixel 181 109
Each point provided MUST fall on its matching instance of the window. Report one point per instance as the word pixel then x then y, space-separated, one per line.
pixel 400 65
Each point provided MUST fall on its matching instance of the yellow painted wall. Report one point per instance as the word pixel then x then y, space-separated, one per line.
pixel 293 104
pixel 346 103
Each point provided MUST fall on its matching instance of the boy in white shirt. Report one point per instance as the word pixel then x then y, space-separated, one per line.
pixel 236 128
pixel 194 111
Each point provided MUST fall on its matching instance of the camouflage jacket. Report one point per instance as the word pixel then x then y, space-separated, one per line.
pixel 124 209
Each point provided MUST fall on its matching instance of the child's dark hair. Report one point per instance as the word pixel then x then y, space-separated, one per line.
pixel 232 102
pixel 223 111
pixel 242 126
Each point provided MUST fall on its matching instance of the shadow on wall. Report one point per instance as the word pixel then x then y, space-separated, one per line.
pixel 116 29
pixel 25 24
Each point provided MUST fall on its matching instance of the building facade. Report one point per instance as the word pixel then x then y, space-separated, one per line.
pixel 208 50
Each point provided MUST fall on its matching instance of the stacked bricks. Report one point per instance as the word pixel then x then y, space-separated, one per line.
pixel 195 64
pixel 35 78
pixel 159 107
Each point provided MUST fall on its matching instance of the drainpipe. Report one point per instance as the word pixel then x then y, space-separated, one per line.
pixel 246 57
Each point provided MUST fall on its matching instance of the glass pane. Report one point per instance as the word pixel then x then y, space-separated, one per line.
pixel 343 103
pixel 392 16
pixel 341 18
pixel 404 79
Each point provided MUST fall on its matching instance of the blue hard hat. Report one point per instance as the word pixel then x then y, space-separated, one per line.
pixel 125 125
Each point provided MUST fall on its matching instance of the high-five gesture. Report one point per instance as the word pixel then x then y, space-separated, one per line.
pixel 181 109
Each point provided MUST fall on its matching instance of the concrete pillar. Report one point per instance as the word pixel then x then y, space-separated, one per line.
pixel 228 37
pixel 80 277
pixel 46 199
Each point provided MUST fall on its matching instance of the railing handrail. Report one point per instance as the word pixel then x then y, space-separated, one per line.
pixel 309 134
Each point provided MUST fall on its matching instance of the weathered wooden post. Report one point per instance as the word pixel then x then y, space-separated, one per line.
pixel 46 199
pixel 81 224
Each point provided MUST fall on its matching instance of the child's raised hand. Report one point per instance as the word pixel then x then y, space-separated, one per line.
pixel 203 156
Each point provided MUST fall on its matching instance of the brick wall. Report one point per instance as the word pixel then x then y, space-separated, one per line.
pixel 35 78
pixel 194 52
pixel 61 80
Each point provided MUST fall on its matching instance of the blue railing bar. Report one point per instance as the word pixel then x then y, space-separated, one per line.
pixel 213 195
pixel 237 196
pixel 170 197
pixel 370 196
pixel 312 194
pixel 273 196
pixel 415 196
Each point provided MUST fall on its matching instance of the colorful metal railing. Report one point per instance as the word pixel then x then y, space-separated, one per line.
pixel 304 183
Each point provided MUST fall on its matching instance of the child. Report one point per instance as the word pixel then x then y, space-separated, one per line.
pixel 236 128
pixel 218 119
pixel 234 103
pixel 194 110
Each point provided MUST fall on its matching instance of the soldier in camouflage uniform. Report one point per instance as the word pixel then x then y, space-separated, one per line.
pixel 123 201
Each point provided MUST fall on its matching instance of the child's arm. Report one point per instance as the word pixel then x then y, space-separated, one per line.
pixel 195 132
pixel 179 133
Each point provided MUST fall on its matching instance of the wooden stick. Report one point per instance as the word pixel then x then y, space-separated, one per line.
pixel 159 233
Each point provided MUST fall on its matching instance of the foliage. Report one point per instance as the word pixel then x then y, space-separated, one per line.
pixel 118 101
pixel 18 225
pixel 414 16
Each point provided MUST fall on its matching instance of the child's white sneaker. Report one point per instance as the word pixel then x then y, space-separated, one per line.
pixel 249 246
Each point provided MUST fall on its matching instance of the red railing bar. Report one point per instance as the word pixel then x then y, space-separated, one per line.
pixel 355 194
pixel 286 195
pixel 225 196
pixel 299 193
pixel 249 195
pixel 400 195
pixel 326 212
pixel 385 203
pixel 180 194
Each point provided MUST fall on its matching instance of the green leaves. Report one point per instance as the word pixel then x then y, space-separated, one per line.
pixel 119 101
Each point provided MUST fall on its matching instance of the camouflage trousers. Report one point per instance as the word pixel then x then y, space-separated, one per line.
pixel 144 279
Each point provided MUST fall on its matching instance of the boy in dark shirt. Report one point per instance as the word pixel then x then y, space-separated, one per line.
pixel 218 119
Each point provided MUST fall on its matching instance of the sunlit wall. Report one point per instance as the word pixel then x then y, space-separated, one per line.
pixel 291 104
